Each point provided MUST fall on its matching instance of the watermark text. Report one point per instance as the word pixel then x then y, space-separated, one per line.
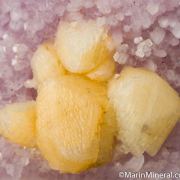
pixel 149 175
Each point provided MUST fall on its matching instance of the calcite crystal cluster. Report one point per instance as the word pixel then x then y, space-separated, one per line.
pixel 82 108
pixel 145 34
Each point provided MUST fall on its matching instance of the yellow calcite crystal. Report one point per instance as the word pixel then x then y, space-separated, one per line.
pixel 82 46
pixel 77 114
pixel 147 109
pixel 103 72
pixel 68 125
pixel 17 123
pixel 46 64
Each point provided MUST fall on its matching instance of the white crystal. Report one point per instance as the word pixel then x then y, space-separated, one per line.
pixel 144 48
pixel 25 25
pixel 151 66
pixel 152 8
pixel 15 48
pixel 157 35
pixel 116 56
pixel 5 36
pixel 176 30
pixel 137 40
pixel 120 58
pixel 30 83
pixel 123 48
pixel 13 61
pixel 135 163
pixel 163 22
pixel 1 156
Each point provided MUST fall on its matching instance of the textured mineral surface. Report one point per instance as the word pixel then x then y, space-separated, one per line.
pixel 145 33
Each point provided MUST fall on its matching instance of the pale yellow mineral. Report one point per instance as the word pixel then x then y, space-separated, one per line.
pixel 147 109
pixel 82 46
pixel 68 125
pixel 103 72
pixel 17 123
pixel 46 64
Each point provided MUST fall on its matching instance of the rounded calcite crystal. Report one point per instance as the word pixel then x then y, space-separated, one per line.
pixel 17 123
pixel 45 63
pixel 147 109
pixel 68 127
pixel 82 46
